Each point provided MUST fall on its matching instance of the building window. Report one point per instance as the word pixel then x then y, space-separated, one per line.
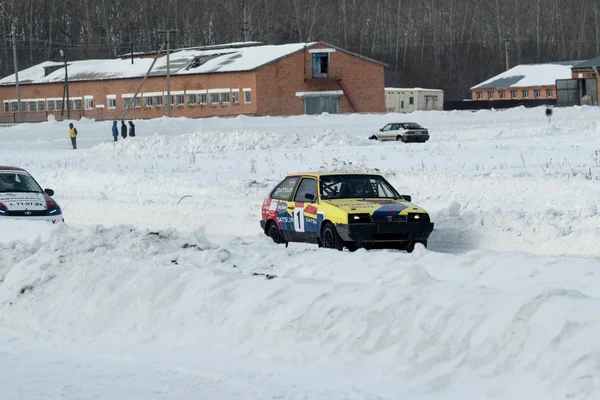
pixel 59 105
pixel 50 104
pixel 214 98
pixel 89 103
pixel 525 94
pixel 23 106
pixel 147 101
pixel 70 103
pixel 126 102
pixel 538 94
pixel 137 102
pixel 32 106
pixel 513 94
pixel 402 104
pixel 236 96
pixel 6 107
pixel 479 95
pixel 158 101
pixel 247 96
pixel 78 104
pixel 192 99
pixel 491 95
pixel 40 105
pixel 179 100
pixel 502 95
pixel 549 93
pixel 320 65
pixel 112 101
pixel 202 99
pixel 13 106
pixel 411 100
pixel 224 97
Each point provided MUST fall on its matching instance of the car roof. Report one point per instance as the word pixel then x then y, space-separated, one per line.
pixel 327 173
pixel 6 168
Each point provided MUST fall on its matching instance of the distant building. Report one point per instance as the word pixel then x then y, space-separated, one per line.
pixel 524 82
pixel 224 80
pixel 412 99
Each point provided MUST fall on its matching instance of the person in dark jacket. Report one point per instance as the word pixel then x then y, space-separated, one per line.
pixel 115 131
pixel 123 129
pixel 131 129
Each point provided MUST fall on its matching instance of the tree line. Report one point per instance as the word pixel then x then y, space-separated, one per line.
pixel 447 44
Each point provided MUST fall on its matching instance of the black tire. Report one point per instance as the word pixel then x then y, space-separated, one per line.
pixel 273 232
pixel 330 239
pixel 399 139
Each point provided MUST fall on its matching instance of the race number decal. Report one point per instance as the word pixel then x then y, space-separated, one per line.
pixel 299 219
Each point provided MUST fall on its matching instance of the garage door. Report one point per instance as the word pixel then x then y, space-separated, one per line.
pixel 321 104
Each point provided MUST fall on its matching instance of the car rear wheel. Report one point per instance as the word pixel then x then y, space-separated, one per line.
pixel 399 138
pixel 330 239
pixel 274 233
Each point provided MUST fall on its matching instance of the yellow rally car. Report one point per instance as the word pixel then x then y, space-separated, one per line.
pixel 337 210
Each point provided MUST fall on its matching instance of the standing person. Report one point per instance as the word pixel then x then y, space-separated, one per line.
pixel 131 129
pixel 123 129
pixel 115 131
pixel 73 136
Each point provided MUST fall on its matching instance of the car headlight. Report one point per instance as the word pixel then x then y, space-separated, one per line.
pixel 359 218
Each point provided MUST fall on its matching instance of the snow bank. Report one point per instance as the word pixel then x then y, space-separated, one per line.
pixel 431 318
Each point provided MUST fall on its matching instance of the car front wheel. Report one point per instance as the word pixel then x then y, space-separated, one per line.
pixel 330 239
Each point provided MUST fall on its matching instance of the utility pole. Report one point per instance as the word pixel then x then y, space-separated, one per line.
pixel 506 44
pixel 62 53
pixel 14 46
pixel 142 83
pixel 168 33
pixel 245 29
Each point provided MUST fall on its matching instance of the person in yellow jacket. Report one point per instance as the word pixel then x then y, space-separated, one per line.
pixel 73 136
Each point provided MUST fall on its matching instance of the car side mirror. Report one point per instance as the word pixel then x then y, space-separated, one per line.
pixel 49 192
pixel 309 196
pixel 380 129
pixel 407 197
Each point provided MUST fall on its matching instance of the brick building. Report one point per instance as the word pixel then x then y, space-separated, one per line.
pixel 227 80
pixel 524 82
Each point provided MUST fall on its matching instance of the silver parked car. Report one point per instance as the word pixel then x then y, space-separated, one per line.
pixel 402 132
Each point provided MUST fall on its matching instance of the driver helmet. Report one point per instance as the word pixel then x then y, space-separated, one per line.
pixel 8 180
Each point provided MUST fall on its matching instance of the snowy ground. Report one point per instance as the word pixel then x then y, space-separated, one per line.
pixel 502 305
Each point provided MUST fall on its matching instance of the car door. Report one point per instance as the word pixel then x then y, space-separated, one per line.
pixel 305 210
pixel 386 133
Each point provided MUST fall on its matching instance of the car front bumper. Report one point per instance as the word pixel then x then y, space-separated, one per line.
pixel 53 219
pixel 391 232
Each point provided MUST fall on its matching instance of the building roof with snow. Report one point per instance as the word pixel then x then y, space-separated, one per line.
pixel 528 75
pixel 233 57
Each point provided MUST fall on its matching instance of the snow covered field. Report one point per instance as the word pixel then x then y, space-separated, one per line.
pixel 146 293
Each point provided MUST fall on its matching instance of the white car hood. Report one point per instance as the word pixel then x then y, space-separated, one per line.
pixel 16 201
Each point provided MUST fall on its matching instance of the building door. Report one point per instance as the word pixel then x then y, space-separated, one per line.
pixel 321 104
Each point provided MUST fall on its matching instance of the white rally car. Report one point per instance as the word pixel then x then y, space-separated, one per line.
pixel 21 197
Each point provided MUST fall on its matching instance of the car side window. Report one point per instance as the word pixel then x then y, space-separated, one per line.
pixel 387 127
pixel 285 189
pixel 307 191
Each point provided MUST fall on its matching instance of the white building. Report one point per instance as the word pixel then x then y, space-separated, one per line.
pixel 412 99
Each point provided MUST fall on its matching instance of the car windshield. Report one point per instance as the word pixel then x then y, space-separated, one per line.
pixel 411 125
pixel 18 181
pixel 356 186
